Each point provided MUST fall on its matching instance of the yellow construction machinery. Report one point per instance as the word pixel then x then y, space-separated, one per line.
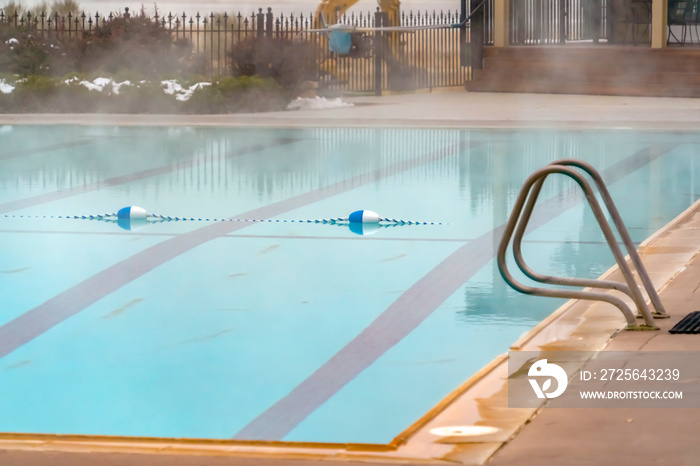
pixel 358 44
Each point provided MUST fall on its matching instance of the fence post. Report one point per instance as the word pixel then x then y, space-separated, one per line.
pixel 518 35
pixel 260 20
pixel 562 21
pixel 537 24
pixel 378 52
pixel 463 33
pixel 609 22
pixel 268 22
pixel 597 20
pixel 476 34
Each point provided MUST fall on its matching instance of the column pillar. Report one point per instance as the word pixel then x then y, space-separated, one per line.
pixel 659 23
pixel 500 23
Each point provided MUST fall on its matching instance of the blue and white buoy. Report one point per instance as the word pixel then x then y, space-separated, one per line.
pixel 132 217
pixel 363 222
pixel 363 216
pixel 132 212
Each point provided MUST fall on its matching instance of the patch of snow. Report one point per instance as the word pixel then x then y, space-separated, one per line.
pixel 185 95
pixel 117 86
pixel 172 87
pixel 102 82
pixel 90 86
pixel 6 88
pixel 317 103
pixel 96 85
pixel 12 41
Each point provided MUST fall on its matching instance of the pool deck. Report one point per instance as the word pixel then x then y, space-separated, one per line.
pixel 627 436
pixel 528 437
pixel 449 109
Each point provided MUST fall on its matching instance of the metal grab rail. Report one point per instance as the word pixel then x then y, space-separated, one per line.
pixel 517 224
pixel 632 291
pixel 659 310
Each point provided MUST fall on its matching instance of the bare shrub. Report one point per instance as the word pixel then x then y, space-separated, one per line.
pixel 289 62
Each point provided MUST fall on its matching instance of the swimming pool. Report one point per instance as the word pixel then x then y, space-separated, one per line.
pixel 285 330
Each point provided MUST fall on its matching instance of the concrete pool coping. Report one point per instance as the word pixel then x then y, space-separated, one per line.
pixel 437 110
pixel 577 325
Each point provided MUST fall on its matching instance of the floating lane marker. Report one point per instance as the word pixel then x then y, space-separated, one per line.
pixel 132 212
pixel 135 217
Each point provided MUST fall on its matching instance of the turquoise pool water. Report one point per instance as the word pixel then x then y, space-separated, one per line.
pixel 285 331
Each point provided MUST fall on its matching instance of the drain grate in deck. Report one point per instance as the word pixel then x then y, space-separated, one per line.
pixel 689 324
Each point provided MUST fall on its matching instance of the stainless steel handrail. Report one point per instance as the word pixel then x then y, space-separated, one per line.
pixel 517 224
pixel 632 291
pixel 659 310
pixel 520 261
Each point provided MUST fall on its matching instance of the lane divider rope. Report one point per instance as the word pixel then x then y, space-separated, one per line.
pixel 112 217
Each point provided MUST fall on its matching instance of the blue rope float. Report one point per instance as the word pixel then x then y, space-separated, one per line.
pixel 133 217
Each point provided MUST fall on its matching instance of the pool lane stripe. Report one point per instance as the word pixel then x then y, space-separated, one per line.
pixel 131 177
pixel 354 237
pixel 47 315
pixel 44 149
pixel 406 313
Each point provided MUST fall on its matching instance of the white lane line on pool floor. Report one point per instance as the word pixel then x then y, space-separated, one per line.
pixel 406 313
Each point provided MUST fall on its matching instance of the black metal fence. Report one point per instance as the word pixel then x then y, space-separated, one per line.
pixel 397 61
pixel 388 61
